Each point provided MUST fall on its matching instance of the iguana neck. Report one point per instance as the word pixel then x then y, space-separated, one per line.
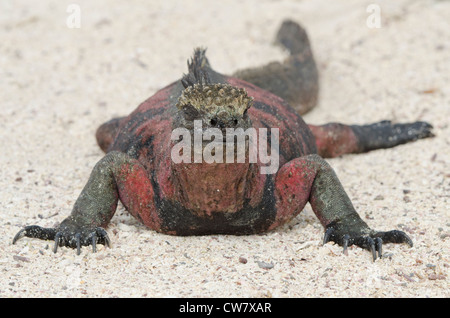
pixel 211 187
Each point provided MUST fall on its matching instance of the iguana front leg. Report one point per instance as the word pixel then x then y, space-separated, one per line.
pixel 113 177
pixel 311 178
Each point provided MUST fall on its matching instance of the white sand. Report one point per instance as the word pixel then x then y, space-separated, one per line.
pixel 58 84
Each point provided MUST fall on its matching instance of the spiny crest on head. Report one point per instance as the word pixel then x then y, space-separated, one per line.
pixel 206 97
pixel 197 74
pixel 214 98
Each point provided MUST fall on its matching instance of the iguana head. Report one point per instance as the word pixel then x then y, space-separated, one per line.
pixel 217 105
pixel 218 185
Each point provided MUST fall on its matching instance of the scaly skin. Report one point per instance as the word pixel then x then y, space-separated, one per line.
pixel 228 198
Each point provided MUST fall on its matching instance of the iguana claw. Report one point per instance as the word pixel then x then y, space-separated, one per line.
pixel 372 242
pixel 64 237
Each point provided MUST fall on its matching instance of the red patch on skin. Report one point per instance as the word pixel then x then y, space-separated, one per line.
pixel 333 140
pixel 162 164
pixel 157 101
pixel 204 187
pixel 165 178
pixel 292 189
pixel 295 137
pixel 256 182
pixel 136 193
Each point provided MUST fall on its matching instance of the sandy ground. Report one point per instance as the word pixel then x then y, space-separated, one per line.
pixel 58 84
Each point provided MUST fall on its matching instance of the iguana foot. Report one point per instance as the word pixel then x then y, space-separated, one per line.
pixel 371 241
pixel 66 236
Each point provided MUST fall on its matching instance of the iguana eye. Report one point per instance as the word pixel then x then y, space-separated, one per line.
pixel 213 122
